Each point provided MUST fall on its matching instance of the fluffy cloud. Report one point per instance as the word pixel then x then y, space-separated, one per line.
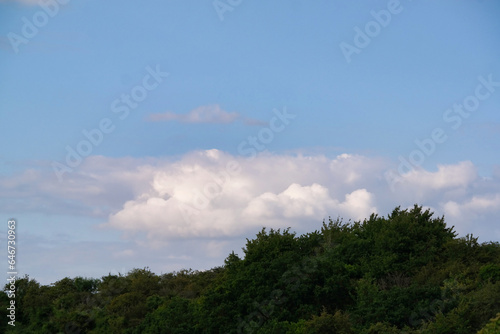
pixel 450 181
pixel 215 195
pixel 308 202
pixel 477 214
pixel 203 114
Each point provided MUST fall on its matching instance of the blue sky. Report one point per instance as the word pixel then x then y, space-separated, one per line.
pixel 233 75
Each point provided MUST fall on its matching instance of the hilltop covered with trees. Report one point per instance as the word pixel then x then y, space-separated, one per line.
pixel 404 273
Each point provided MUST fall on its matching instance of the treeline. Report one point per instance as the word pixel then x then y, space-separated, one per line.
pixel 404 273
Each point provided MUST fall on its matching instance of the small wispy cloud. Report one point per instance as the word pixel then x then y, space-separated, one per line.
pixel 212 114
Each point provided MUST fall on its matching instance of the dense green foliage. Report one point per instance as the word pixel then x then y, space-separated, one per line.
pixel 404 273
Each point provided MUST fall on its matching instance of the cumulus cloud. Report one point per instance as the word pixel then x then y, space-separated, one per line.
pixel 213 195
pixel 200 196
pixel 478 213
pixel 203 114
pixel 309 202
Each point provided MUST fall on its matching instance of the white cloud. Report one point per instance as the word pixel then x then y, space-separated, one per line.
pixel 466 213
pixel 203 114
pixel 212 194
pixel 451 176
pixel 309 202
pixel 197 197
pixel 359 204
pixel 449 181
pixel 200 196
